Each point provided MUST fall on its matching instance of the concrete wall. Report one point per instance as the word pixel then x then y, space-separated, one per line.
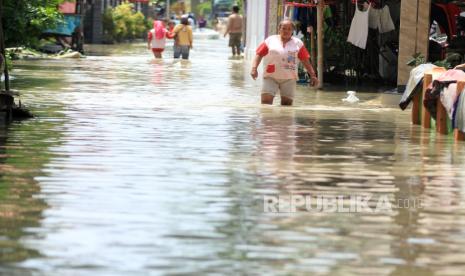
pixel 413 38
pixel 93 27
pixel 256 25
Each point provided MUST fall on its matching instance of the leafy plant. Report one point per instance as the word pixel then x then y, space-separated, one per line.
pixel 338 52
pixel 24 21
pixel 443 63
pixel 123 23
pixel 417 59
pixel 204 8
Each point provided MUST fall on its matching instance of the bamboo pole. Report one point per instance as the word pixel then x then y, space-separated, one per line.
pixel 168 7
pixel 312 47
pixel 459 135
pixel 2 49
pixel 426 117
pixel 416 109
pixel 441 118
pixel 320 19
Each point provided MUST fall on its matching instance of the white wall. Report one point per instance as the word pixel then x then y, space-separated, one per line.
pixel 256 26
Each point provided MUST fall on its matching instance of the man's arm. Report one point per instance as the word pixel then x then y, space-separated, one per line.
pixel 255 64
pixel 228 27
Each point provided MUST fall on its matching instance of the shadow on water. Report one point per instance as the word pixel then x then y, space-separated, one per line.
pixel 24 154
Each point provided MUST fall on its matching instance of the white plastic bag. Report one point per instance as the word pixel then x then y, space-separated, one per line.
pixel 351 98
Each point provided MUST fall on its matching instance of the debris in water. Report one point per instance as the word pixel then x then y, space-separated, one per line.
pixel 351 98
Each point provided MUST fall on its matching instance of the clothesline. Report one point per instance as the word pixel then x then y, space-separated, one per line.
pixel 374 3
pixel 305 5
pixel 369 1
pixel 309 5
pixel 300 5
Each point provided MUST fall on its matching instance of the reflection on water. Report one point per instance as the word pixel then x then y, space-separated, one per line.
pixel 139 166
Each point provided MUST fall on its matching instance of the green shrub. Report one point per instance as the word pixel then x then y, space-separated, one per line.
pixel 204 8
pixel 123 23
pixel 24 21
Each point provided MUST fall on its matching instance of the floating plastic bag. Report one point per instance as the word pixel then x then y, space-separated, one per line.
pixel 351 98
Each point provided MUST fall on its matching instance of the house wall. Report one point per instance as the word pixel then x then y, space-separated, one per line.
pixel 256 25
pixel 414 35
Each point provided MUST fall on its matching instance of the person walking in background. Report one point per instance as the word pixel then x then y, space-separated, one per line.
pixel 281 53
pixel 215 23
pixel 157 38
pixel 202 22
pixel 183 39
pixel 234 29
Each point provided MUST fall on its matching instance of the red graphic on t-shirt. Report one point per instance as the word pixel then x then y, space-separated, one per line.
pixel 270 68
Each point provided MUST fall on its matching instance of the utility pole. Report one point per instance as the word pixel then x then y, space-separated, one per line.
pixel 320 42
pixel 168 9
pixel 2 49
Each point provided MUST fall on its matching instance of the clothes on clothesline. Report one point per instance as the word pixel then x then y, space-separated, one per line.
pixel 381 19
pixel 307 17
pixel 448 98
pixel 415 79
pixel 433 93
pixel 445 15
pixel 358 32
pixel 458 119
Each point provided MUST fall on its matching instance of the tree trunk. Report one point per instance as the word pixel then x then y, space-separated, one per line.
pixel 2 48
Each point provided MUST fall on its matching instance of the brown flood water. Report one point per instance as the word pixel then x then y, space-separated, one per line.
pixel 142 167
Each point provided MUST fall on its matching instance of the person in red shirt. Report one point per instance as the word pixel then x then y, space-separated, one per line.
pixel 281 54
pixel 156 40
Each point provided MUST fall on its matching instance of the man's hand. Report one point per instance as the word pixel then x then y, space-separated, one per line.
pixel 254 73
pixel 314 81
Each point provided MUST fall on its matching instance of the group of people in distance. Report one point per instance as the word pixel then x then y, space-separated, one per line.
pixel 281 54
pixel 181 33
pixel 183 38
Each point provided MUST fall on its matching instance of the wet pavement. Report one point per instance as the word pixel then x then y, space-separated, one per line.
pixel 141 167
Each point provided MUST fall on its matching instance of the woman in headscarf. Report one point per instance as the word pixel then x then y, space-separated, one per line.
pixel 157 38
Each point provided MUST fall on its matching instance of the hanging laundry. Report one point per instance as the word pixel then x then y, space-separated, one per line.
pixel 448 98
pixel 440 15
pixel 381 20
pixel 453 11
pixel 416 76
pixel 307 18
pixel 433 92
pixel 358 32
pixel 459 114
pixel 295 16
pixel 287 12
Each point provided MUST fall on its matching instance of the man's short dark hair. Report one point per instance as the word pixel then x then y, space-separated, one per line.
pixel 236 8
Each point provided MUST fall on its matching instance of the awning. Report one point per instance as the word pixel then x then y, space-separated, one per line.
pixel 67 27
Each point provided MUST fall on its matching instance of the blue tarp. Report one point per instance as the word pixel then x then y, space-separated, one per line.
pixel 70 22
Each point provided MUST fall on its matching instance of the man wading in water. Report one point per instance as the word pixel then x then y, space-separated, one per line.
pixel 234 30
pixel 282 53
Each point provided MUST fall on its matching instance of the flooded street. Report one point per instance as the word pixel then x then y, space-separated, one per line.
pixel 141 167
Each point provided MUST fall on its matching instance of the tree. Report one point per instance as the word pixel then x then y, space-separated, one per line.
pixel 122 22
pixel 25 20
